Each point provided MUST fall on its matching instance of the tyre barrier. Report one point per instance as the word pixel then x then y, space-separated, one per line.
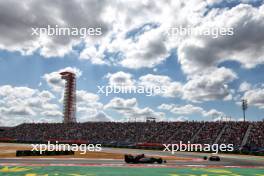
pixel 42 153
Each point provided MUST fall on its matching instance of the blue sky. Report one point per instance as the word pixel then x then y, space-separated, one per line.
pixel 205 77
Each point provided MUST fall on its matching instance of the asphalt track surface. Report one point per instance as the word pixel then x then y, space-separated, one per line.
pixel 194 160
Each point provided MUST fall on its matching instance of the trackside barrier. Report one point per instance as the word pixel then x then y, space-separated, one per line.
pixel 43 153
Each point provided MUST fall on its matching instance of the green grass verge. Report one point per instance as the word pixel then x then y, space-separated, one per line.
pixel 122 171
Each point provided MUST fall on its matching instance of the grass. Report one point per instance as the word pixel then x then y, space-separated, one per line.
pixel 124 171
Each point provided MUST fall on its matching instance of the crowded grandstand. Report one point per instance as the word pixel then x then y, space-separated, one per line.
pixel 243 135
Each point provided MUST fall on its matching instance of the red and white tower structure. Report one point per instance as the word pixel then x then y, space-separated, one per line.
pixel 69 102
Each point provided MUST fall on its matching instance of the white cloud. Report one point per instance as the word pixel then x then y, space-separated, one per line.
pixel 142 41
pixel 210 86
pixel 136 44
pixel 89 108
pixel 86 97
pixel 51 113
pixel 182 110
pixel 120 79
pixel 214 113
pixel 190 109
pixel 148 51
pixel 23 104
pixel 171 88
pixel 101 117
pixel 17 110
pixel 255 97
pixel 96 56
pixel 139 43
pixel 160 84
pixel 122 104
pixel 130 110
pixel 245 86
pixel 16 92
pixel 200 53
pixel 41 14
pixel 20 104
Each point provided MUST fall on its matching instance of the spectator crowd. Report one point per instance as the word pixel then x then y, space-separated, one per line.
pixel 138 132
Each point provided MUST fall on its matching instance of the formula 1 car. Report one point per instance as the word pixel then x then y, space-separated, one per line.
pixel 142 159
pixel 212 158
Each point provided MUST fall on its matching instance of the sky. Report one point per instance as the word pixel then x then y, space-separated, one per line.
pixel 204 77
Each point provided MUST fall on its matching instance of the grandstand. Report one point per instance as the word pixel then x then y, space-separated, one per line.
pixel 241 134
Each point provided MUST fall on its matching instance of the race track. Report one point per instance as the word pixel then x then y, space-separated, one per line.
pixel 194 160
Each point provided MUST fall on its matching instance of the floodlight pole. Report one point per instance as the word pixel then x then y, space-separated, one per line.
pixel 244 108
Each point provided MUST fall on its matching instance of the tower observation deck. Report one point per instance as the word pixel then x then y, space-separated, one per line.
pixel 69 102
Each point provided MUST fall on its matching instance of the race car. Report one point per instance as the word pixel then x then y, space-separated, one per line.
pixel 142 159
pixel 212 158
